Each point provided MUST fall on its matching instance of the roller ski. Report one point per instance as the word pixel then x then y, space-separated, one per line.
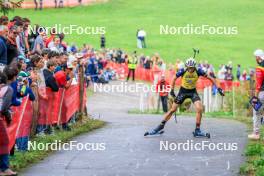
pixel 157 131
pixel 198 133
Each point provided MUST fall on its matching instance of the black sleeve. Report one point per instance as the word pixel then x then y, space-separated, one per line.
pixel 51 82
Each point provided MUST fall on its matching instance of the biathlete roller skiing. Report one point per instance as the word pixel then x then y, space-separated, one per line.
pixel 189 75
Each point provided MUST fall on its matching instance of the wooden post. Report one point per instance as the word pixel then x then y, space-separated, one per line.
pixel 158 106
pixel 233 97
pixel 35 106
pixel 81 84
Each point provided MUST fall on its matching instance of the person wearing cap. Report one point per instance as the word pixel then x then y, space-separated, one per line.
pixel 259 94
pixel 23 90
pixel 64 77
pixel 163 88
pixel 64 80
pixel 189 77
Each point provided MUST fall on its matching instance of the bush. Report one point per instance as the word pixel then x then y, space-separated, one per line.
pixel 241 102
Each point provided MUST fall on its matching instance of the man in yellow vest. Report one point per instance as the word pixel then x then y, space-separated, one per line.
pixel 132 65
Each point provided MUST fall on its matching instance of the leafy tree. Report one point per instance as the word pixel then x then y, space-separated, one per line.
pixel 7 5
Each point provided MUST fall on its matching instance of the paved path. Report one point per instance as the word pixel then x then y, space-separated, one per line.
pixel 129 153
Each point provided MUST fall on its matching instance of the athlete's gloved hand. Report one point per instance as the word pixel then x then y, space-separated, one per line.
pixel 221 92
pixel 172 93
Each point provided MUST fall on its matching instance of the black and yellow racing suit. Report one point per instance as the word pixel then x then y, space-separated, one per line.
pixel 188 85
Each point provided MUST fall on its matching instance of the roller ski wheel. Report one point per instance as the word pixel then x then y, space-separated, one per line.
pixel 153 133
pixel 200 134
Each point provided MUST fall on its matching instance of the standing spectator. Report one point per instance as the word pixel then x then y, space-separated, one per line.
pixel 259 94
pixel 132 64
pixel 12 51
pixel 40 4
pixel 60 3
pixel 64 79
pixel 26 23
pixel 39 44
pixel 56 4
pixel 244 75
pixel 5 120
pixel 141 35
pixel 63 44
pixel 238 72
pixel 102 41
pixel 32 37
pixel 148 63
pixel 3 47
pixel 229 76
pixel 48 75
pixel 91 70
pixel 22 85
pixel 162 88
pixel 36 4
pixel 221 72
pixel 20 39
pixel 51 83
pixel 229 66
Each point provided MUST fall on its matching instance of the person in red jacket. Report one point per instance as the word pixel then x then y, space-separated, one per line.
pixel 259 94
pixel 163 87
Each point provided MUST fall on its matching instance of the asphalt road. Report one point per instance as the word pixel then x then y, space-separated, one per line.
pixel 124 151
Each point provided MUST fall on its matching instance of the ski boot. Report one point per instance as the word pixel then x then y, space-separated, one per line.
pixel 158 130
pixel 198 133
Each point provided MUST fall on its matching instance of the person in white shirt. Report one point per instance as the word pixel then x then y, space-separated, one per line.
pixel 141 35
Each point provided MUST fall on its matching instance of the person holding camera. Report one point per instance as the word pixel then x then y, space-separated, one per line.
pixel 258 99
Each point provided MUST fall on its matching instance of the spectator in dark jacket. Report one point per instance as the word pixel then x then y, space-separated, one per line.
pixel 11 73
pixel 51 83
pixel 49 78
pixel 12 51
pixel 3 49
pixel 92 69
pixel 5 120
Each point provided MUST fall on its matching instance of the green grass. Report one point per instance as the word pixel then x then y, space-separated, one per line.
pixel 254 153
pixel 123 17
pixel 209 114
pixel 23 159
